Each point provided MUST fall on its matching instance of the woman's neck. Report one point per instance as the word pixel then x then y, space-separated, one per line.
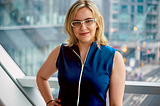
pixel 83 48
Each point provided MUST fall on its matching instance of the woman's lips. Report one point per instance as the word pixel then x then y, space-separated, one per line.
pixel 83 34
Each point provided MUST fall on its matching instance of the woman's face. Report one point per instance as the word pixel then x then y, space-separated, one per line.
pixel 85 33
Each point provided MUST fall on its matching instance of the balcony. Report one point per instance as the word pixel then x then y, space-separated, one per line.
pixel 151 30
pixel 152 1
pixel 152 21
pixel 153 13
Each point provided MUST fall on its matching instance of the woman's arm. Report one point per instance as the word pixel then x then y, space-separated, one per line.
pixel 45 72
pixel 117 81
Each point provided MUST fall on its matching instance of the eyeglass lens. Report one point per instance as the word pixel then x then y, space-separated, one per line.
pixel 86 22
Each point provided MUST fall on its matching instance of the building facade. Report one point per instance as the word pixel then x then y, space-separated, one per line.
pixel 128 23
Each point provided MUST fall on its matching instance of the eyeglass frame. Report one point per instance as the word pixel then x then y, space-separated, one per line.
pixel 83 22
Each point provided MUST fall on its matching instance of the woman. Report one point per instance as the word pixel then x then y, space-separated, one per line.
pixel 86 65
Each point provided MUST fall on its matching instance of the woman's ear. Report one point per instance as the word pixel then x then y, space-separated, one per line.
pixel 97 25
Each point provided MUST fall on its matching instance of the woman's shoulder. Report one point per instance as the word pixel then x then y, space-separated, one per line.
pixel 61 48
pixel 56 50
pixel 118 55
pixel 65 45
pixel 108 48
pixel 118 59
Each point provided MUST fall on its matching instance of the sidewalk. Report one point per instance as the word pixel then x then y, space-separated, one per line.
pixel 142 70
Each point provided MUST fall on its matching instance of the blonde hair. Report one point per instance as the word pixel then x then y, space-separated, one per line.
pixel 100 37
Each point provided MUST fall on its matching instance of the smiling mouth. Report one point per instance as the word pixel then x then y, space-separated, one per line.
pixel 83 34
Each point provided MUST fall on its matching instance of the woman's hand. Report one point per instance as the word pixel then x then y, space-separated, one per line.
pixel 55 102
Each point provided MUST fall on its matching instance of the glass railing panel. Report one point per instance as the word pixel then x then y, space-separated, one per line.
pixel 29 47
pixel 141 100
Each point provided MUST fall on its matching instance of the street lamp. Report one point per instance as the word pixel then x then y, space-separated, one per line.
pixel 124 48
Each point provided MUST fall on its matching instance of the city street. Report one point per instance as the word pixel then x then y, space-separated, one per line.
pixel 149 73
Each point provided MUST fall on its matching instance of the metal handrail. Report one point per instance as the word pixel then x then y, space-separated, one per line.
pixel 134 87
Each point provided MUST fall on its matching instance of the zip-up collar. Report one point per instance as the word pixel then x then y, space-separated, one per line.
pixel 82 66
pixel 75 48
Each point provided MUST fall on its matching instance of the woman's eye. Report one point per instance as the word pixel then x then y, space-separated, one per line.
pixel 77 22
pixel 88 21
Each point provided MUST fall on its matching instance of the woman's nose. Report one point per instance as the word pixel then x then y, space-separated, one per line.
pixel 83 26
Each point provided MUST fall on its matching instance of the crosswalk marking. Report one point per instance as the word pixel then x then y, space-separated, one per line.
pixel 154 79
pixel 158 80
pixel 149 79
pixel 135 98
pixel 143 97
pixel 131 103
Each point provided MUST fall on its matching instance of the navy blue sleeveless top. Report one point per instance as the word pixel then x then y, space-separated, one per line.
pixel 95 77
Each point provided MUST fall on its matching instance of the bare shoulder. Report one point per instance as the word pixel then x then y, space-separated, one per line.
pixel 118 61
pixel 56 51
pixel 118 55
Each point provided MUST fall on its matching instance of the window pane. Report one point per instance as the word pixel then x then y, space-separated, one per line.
pixel 123 26
pixel 140 0
pixel 139 18
pixel 132 17
pixel 140 10
pixel 115 16
pixel 114 25
pixel 132 9
pixel 124 18
pixel 123 36
pixel 114 36
pixel 124 9
pixel 115 7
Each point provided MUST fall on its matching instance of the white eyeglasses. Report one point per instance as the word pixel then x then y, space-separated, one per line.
pixel 86 22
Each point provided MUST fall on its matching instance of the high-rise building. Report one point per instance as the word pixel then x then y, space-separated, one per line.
pixel 125 15
pixel 132 22
pixel 152 20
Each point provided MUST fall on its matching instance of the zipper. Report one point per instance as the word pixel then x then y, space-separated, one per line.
pixel 80 73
